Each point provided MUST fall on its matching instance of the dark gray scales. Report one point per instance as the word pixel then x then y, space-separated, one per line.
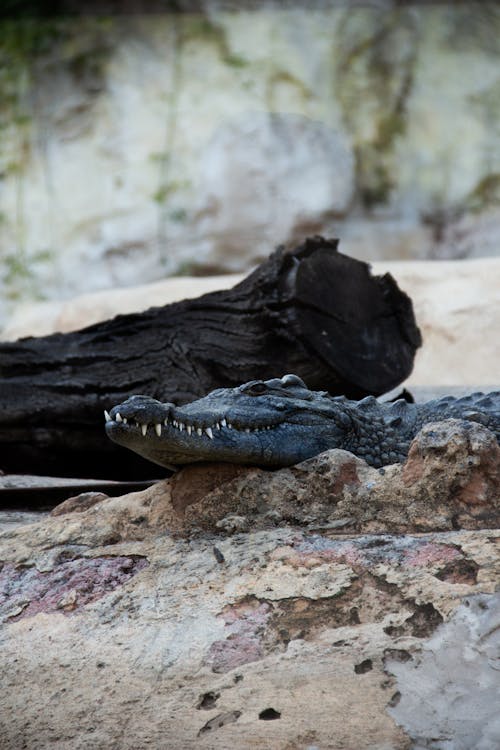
pixel 280 422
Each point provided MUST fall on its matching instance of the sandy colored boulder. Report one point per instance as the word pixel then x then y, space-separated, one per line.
pixel 233 607
pixel 450 480
pixel 43 318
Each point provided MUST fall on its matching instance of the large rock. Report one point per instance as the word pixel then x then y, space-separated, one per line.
pixel 131 148
pixel 457 307
pixel 229 607
pixel 43 318
pixel 454 681
pixel 271 178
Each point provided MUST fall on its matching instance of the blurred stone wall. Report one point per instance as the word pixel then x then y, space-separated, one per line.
pixel 134 147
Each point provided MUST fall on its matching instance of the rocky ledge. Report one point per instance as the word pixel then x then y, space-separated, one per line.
pixel 326 605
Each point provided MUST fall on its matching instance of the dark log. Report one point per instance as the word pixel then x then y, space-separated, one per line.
pixel 313 311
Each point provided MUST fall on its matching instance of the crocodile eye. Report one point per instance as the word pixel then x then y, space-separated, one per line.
pixel 256 389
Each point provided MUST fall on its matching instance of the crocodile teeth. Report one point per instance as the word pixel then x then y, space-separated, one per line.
pixel 158 429
pixel 217 426
pixel 181 426
pixel 199 431
pixel 229 425
pixel 247 429
pixel 189 429
pixel 125 420
pixel 118 417
pixel 224 423
pixel 165 421
pixel 144 429
pixel 209 432
pixel 107 416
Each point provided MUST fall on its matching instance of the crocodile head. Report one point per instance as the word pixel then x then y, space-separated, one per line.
pixel 274 422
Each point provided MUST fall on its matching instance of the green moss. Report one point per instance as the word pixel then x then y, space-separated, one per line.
pixel 166 190
pixel 30 50
pixel 178 215
pixel 281 77
pixel 376 185
pixel 43 256
pixel 161 157
pixel 235 61
pixel 33 46
pixel 375 58
pixel 20 41
pixel 16 268
pixel 186 268
pixel 12 168
pixel 25 39
pixel 196 28
pixel 485 195
pixel 374 162
pixel 19 277
pixel 390 127
pixel 472 27
pixel 161 195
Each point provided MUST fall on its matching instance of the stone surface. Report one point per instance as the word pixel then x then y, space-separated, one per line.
pixel 272 177
pixel 31 481
pixel 10 519
pixel 130 147
pixel 451 480
pixel 457 671
pixel 43 318
pixel 79 503
pixel 230 607
pixel 457 307
pixel 456 304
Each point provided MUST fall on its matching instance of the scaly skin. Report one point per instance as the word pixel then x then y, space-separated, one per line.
pixel 280 422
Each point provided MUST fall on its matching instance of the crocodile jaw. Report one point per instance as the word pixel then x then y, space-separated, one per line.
pixel 169 435
pixel 267 423
pixel 170 445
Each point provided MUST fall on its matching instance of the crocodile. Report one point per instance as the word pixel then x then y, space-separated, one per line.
pixel 280 422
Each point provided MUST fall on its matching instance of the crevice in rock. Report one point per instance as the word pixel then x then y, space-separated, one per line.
pixel 421 624
pixel 397 654
pixel 269 714
pixel 208 700
pixel 459 571
pixel 367 599
pixel 394 699
pixel 364 666
pixel 219 721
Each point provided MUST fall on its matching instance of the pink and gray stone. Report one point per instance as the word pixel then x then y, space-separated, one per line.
pixel 324 605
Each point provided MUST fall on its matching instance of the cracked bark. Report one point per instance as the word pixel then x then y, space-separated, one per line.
pixel 312 311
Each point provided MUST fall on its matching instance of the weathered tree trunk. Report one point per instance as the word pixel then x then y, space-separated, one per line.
pixel 313 311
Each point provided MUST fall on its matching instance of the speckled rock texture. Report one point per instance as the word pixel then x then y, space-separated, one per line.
pixel 328 605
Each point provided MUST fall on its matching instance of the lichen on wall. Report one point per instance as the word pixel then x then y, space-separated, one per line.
pixel 114 169
pixel 40 62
